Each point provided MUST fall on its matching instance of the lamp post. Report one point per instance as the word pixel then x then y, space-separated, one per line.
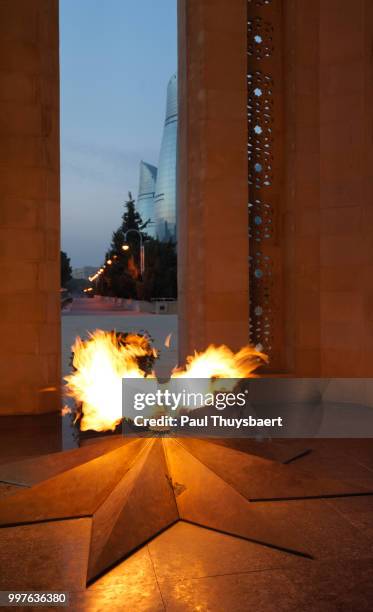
pixel 125 247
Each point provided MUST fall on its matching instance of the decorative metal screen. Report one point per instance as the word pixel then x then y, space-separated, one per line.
pixel 263 131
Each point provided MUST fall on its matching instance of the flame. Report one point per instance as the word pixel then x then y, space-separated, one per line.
pixel 217 364
pixel 100 363
pixel 221 362
pixel 105 358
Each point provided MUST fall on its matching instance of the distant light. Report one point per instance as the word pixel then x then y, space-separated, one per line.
pixel 125 247
pixel 109 262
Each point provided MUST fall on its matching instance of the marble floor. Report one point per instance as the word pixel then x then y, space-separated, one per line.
pixel 194 569
pixel 187 567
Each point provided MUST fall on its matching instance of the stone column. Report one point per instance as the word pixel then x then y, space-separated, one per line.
pixel 29 207
pixel 213 174
pixel 301 159
pixel 329 187
pixel 346 188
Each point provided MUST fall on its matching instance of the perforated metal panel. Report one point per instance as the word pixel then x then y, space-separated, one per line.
pixel 264 113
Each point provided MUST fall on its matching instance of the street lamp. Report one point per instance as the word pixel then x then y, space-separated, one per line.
pixel 126 247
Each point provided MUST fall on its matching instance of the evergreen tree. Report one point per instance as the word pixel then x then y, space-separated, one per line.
pixel 66 269
pixel 117 241
pixel 131 219
pixel 160 277
pixel 122 276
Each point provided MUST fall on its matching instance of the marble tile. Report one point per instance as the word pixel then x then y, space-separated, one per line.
pixel 277 450
pixel 141 598
pixel 130 586
pixel 259 591
pixel 337 459
pixel 36 469
pixel 45 555
pixel 324 532
pixel 358 511
pixel 320 587
pixel 136 570
pixel 77 492
pixel 140 506
pixel 8 489
pixel 258 478
pixel 187 551
pixel 205 499
pixel 338 586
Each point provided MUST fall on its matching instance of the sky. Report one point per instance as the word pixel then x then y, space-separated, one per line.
pixel 116 58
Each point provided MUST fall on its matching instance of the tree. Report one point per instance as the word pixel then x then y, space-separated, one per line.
pixel 66 269
pixel 122 275
pixel 131 219
pixel 160 277
pixel 119 278
pixel 117 241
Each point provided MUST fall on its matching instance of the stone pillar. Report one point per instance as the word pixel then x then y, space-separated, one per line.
pixel 329 187
pixel 301 159
pixel 213 175
pixel 311 181
pixel 29 207
pixel 346 188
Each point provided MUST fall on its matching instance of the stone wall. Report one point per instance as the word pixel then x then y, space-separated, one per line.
pixel 318 58
pixel 29 207
pixel 329 187
pixel 212 175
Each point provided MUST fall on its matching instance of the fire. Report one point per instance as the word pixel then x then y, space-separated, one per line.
pixel 221 362
pixel 99 365
pixel 105 358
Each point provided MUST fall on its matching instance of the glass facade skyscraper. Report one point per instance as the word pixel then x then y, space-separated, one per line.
pixel 165 190
pixel 145 197
pixel 156 198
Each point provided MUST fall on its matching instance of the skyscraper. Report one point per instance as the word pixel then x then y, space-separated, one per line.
pixel 165 190
pixel 145 197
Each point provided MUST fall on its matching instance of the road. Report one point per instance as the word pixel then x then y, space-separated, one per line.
pixel 91 305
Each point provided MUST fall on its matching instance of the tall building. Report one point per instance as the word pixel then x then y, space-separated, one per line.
pixel 145 197
pixel 165 190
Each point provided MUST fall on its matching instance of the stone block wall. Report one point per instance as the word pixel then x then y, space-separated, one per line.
pixel 29 207
pixel 212 175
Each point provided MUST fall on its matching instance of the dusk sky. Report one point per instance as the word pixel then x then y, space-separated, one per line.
pixel 116 59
